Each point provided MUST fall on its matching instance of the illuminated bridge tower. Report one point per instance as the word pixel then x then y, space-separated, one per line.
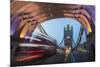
pixel 68 36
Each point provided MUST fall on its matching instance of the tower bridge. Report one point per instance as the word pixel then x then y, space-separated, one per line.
pixel 26 16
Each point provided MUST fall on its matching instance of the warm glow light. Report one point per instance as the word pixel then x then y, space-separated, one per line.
pixel 24 31
pixel 90 30
pixel 21 36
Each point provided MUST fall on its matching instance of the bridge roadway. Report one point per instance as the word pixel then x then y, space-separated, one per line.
pixel 58 58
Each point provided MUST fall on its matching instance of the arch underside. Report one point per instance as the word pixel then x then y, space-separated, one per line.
pixel 30 14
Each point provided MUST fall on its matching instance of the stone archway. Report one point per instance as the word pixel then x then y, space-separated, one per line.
pixel 31 14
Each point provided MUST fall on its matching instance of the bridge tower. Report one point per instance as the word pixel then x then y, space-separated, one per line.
pixel 68 36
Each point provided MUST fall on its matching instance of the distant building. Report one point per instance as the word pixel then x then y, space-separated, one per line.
pixel 68 36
